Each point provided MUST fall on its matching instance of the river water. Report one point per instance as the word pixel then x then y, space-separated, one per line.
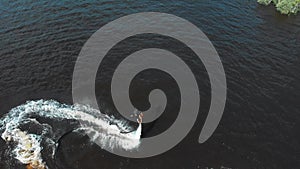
pixel 259 48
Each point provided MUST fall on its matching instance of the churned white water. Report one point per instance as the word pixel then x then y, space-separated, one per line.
pixel 105 130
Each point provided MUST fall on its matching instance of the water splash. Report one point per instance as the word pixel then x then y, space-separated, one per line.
pixel 26 143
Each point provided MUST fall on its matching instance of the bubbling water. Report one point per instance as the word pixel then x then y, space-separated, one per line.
pixel 111 133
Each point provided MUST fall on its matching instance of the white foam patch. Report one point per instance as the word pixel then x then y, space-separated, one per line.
pixel 105 130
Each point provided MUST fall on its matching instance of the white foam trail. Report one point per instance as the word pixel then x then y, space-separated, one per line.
pixel 105 130
pixel 28 149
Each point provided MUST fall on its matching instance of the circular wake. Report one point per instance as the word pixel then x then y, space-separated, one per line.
pixel 25 127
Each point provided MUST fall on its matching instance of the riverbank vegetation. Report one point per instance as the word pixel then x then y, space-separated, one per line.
pixel 284 6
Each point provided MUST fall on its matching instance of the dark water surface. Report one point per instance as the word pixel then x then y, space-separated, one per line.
pixel 259 48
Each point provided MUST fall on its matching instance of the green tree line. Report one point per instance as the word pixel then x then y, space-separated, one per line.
pixel 284 6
